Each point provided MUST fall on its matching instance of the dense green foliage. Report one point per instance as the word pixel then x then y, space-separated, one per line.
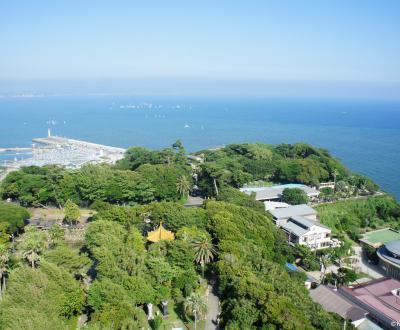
pixel 356 216
pixel 52 185
pixel 116 274
pixel 12 218
pixel 43 298
pixel 137 156
pixel 257 291
pixel 129 275
pixel 235 196
pixel 294 196
pixel 237 164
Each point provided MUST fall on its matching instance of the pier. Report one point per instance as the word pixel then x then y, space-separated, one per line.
pixel 15 149
pixel 69 153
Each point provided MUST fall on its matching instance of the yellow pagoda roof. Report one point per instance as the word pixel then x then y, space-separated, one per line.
pixel 160 234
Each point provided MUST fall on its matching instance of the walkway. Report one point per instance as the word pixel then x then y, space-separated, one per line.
pixel 212 307
pixel 364 266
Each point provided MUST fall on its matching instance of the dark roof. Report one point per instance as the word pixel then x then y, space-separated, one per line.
pixel 393 247
pixel 384 253
pixel 355 313
pixel 300 226
pixel 331 301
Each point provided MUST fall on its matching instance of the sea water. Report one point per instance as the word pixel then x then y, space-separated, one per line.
pixel 365 135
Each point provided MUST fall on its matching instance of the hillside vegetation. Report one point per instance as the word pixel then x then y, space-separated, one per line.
pixel 357 216
pixel 115 276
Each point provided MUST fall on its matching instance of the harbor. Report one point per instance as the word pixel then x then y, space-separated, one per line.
pixel 62 151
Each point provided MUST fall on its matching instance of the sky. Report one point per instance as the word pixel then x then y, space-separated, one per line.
pixel 335 47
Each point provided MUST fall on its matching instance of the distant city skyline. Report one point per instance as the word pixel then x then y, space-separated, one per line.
pixel 331 48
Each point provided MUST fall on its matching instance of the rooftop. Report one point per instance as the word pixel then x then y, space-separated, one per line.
pixel 380 237
pixel 300 226
pixel 293 210
pixel 274 205
pixel 392 255
pixel 393 247
pixel 294 228
pixel 378 298
pixel 275 192
pixel 160 234
pixel 331 301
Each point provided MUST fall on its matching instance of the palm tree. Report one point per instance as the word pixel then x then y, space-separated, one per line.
pixel 183 186
pixel 204 251
pixel 4 258
pixel 34 242
pixel 195 306
pixel 335 173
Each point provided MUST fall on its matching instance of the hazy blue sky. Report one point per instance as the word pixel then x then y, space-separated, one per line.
pixel 338 42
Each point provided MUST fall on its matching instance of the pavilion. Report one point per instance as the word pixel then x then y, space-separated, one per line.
pixel 160 234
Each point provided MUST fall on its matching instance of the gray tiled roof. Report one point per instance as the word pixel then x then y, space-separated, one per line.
pixel 295 229
pixel 293 210
pixel 299 225
pixel 333 302
pixel 307 222
pixel 264 193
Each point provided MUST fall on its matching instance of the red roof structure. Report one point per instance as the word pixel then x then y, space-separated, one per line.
pixel 381 298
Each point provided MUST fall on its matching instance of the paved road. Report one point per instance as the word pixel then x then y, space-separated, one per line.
pixel 364 266
pixel 212 309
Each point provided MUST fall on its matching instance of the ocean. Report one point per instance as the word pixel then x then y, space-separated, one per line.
pixel 365 135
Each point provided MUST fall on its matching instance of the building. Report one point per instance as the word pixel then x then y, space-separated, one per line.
pixel 389 259
pixel 160 234
pixel 327 185
pixel 333 302
pixel 313 234
pixel 380 298
pixel 269 206
pixel 282 215
pixel 274 193
pixel 300 224
pixel 377 238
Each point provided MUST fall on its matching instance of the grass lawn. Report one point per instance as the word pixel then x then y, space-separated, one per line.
pixel 73 322
pixel 381 236
pixel 177 318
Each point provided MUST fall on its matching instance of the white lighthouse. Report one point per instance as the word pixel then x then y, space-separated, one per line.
pixel 48 132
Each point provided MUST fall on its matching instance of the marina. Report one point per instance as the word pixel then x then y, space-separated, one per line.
pixel 56 150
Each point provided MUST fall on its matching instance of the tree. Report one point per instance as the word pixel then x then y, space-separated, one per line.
pixel 164 179
pixel 32 245
pixel 56 234
pixel 195 306
pixel 12 219
pixel 42 298
pixel 235 196
pixel 4 258
pixel 335 173
pixel 204 251
pixel 69 259
pixel 71 212
pixel 294 196
pixel 183 186
pixel 326 193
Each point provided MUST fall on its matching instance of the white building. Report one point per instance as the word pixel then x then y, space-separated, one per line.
pixel 274 193
pixel 303 231
pixel 282 215
pixel 300 224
